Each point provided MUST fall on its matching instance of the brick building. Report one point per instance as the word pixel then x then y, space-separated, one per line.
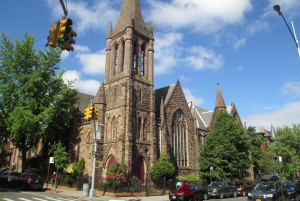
pixel 139 123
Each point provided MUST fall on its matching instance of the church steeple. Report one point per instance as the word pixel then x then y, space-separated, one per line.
pixel 220 103
pixel 131 15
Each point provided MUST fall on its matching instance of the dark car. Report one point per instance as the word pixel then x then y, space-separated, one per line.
pixel 268 191
pixel 200 193
pixel 222 189
pixel 293 189
pixel 6 176
pixel 269 177
pixel 243 187
pixel 30 181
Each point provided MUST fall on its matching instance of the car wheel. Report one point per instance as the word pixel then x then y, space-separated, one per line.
pixel 244 193
pixel 221 196
pixel 234 194
pixel 205 196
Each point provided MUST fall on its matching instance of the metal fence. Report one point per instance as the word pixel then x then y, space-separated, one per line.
pixel 129 185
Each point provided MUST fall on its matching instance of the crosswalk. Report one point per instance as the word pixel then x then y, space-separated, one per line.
pixel 44 199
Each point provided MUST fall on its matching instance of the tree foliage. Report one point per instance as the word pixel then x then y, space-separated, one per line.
pixel 258 158
pixel 163 167
pixel 286 145
pixel 226 149
pixel 34 101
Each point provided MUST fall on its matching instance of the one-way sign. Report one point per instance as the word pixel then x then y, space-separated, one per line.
pixel 95 153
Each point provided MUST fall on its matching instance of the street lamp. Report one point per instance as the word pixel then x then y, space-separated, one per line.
pixel 277 9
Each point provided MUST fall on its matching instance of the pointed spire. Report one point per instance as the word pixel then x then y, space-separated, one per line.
pixel 131 15
pixel 220 103
pixel 109 35
pixel 273 132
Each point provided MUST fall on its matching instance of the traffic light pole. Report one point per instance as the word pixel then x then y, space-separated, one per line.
pixel 92 190
pixel 64 7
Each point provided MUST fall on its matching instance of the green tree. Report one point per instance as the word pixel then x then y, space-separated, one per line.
pixel 256 151
pixel 286 144
pixel 60 157
pixel 226 149
pixel 34 101
pixel 163 167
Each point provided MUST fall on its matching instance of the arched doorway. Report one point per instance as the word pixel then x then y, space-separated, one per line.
pixel 139 167
pixel 112 160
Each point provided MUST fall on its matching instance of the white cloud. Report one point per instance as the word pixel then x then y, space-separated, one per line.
pixel 85 86
pixel 291 88
pixel 201 16
pixel 191 98
pixel 202 58
pixel 167 51
pixel 93 63
pixel 285 116
pixel 239 68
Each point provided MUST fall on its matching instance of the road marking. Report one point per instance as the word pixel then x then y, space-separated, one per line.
pixel 24 199
pixel 6 199
pixel 39 199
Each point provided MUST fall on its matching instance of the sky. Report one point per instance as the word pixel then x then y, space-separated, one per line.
pixel 243 45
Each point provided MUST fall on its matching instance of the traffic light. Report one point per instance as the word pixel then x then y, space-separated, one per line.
pixel 67 45
pixel 52 38
pixel 66 34
pixel 88 115
pixel 95 113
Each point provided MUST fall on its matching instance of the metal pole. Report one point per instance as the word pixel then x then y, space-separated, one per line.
pixel 92 190
pixel 64 7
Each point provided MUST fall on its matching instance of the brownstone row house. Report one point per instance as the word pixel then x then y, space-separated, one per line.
pixel 139 123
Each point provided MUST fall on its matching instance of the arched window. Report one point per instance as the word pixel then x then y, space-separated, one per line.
pixel 114 128
pixel 134 54
pixel 115 94
pixel 139 129
pixel 179 138
pixel 145 130
pixel 116 60
pixel 142 59
pixel 122 56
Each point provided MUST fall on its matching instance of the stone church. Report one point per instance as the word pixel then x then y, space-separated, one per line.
pixel 137 122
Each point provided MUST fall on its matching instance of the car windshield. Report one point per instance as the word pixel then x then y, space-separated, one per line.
pixel 239 184
pixel 265 187
pixel 289 186
pixel 216 183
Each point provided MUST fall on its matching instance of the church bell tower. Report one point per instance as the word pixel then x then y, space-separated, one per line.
pixel 129 114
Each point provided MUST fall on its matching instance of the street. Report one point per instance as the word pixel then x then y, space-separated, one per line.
pixel 8 194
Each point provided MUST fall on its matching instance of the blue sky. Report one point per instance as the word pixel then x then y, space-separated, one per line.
pixel 244 45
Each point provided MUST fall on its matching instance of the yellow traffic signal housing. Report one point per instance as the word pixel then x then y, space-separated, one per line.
pixel 88 115
pixel 96 112
pixel 64 30
pixel 52 38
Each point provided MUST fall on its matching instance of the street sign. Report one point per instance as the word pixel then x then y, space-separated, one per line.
pixel 95 153
pixel 98 134
pixel 51 160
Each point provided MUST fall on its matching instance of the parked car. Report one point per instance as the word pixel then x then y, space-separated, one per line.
pixel 222 189
pixel 293 189
pixel 243 187
pixel 269 177
pixel 6 176
pixel 200 193
pixel 268 191
pixel 26 181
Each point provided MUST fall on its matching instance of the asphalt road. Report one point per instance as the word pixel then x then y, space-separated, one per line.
pixel 8 194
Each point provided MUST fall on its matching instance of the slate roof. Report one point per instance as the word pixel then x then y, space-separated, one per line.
pixel 84 100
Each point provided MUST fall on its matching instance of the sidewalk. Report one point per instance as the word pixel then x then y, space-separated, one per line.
pixel 75 193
